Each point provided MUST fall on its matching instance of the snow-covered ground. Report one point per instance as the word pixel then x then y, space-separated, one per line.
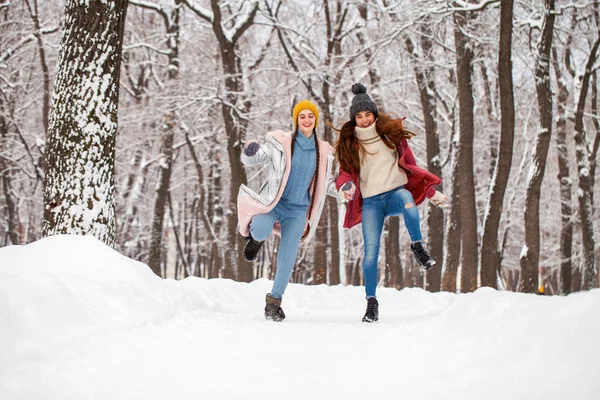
pixel 80 321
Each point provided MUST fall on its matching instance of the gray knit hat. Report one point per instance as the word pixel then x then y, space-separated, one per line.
pixel 361 101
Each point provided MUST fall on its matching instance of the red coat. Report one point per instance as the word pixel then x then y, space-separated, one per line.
pixel 420 184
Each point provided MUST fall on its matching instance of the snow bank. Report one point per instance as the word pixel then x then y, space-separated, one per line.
pixel 80 321
pixel 64 287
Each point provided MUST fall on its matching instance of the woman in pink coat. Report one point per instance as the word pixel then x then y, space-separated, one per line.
pixel 291 199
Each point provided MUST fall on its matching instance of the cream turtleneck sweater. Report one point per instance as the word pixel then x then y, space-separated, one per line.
pixel 379 170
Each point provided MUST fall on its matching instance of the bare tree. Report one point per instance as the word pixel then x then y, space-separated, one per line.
pixel 453 236
pixel 330 69
pixel 490 253
pixel 566 228
pixel 6 177
pixel 234 107
pixel 21 157
pixel 468 212
pixel 424 74
pixel 169 123
pixel 80 152
pixel 583 168
pixel 33 12
pixel 530 253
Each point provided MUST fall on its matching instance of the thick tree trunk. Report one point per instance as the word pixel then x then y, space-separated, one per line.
pixel 162 193
pixel 11 207
pixel 576 280
pixel 326 238
pixel 596 145
pixel 493 137
pixel 334 273
pixel 235 127
pixel 332 207
pixel 165 163
pixel 393 260
pixel 6 182
pixel 319 244
pixel 453 233
pixel 329 236
pixel 490 252
pixel 80 150
pixel 425 82
pixel 564 180
pixel 583 169
pixel 530 254
pixel 468 212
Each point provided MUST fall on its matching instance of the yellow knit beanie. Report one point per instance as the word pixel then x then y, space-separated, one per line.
pixel 305 105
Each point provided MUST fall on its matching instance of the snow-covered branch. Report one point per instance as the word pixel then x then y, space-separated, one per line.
pixel 154 7
pixel 10 51
pixel 147 46
pixel 466 6
pixel 560 9
pixel 199 11
pixel 244 23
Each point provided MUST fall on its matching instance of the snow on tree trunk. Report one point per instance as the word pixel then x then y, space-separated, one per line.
pixel 490 253
pixel 80 151
pixel 530 253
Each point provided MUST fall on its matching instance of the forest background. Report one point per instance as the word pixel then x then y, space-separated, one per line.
pixel 503 96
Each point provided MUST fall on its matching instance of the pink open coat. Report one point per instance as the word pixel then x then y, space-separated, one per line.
pixel 276 153
pixel 420 184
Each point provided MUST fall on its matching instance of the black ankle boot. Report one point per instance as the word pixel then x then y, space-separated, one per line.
pixel 372 313
pixel 422 255
pixel 273 310
pixel 251 248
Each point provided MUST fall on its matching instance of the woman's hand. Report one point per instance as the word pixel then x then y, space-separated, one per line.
pixel 348 190
pixel 251 149
pixel 439 199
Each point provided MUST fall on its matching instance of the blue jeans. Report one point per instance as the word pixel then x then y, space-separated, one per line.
pixel 292 220
pixel 374 211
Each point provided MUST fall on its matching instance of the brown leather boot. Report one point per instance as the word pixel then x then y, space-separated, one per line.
pixel 273 310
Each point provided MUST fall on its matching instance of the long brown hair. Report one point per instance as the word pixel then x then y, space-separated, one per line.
pixel 315 177
pixel 349 151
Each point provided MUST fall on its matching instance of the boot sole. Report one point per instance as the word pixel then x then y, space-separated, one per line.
pixel 370 320
pixel 248 259
pixel 427 267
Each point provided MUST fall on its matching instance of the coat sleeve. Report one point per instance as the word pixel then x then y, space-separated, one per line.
pixel 262 156
pixel 342 178
pixel 409 156
pixel 331 186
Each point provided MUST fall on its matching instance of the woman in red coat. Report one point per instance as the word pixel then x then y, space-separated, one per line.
pixel 379 176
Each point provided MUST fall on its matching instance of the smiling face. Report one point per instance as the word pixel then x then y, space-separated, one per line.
pixel 364 119
pixel 306 122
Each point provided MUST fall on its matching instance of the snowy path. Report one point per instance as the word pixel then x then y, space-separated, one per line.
pixel 87 323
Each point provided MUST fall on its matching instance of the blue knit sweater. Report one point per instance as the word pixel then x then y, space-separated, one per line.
pixel 304 163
